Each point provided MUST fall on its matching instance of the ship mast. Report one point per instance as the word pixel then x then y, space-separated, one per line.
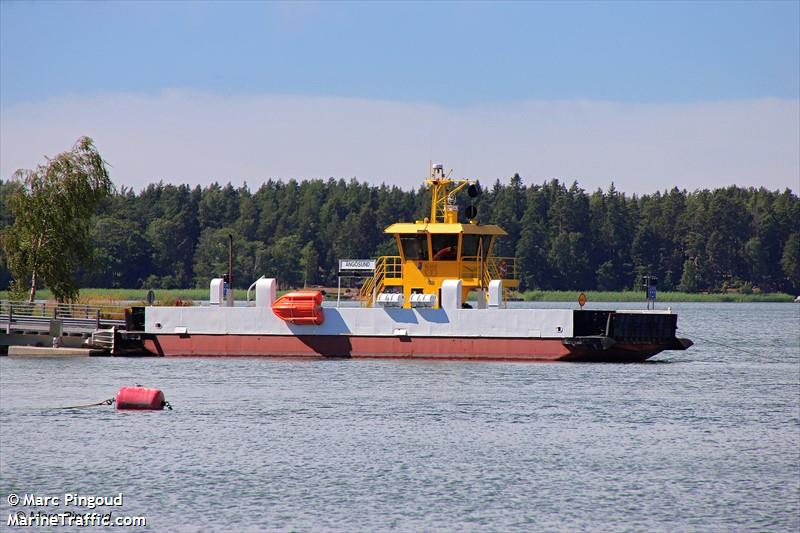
pixel 443 206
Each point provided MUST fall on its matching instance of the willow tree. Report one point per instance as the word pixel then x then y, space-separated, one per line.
pixel 53 207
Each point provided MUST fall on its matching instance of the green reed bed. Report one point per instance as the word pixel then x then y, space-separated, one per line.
pixel 134 295
pixel 639 296
pixel 169 296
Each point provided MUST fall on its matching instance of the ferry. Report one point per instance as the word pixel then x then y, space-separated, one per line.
pixel 443 296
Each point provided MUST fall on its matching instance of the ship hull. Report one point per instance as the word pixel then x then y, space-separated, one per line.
pixel 396 347
pixel 448 332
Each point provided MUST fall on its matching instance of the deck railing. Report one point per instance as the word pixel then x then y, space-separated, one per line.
pixel 391 267
pixel 503 268
pixel 387 266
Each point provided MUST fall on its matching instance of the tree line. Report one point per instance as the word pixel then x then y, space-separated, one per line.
pixel 563 237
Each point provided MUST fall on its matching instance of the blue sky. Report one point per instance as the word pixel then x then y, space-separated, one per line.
pixel 478 65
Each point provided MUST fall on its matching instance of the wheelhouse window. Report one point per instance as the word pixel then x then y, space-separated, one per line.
pixel 445 247
pixel 472 244
pixel 415 247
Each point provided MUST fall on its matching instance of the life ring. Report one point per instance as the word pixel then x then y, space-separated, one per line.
pixel 503 266
pixel 444 252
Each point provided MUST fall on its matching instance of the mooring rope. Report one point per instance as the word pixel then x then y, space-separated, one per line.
pixel 724 345
pixel 110 401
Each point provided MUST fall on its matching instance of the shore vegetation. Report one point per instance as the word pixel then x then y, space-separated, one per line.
pixel 729 240
pixel 189 296
pixel 48 239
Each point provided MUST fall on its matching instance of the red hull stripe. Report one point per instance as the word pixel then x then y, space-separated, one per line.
pixel 497 349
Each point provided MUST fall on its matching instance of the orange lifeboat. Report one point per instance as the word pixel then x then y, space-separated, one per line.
pixel 303 308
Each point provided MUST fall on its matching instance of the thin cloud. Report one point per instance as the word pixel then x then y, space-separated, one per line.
pixel 182 136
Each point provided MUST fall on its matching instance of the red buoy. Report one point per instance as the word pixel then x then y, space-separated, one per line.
pixel 140 398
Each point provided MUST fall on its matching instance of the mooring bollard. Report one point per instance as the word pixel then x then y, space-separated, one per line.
pixel 56 330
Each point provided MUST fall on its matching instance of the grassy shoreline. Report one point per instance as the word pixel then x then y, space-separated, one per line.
pixel 638 296
pixel 168 296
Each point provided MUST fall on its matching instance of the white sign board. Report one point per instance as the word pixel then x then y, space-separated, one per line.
pixel 356 264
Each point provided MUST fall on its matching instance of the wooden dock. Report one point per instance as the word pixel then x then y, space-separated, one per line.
pixel 42 351
pixel 24 325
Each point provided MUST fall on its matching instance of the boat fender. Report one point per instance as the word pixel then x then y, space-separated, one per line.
pixel 140 398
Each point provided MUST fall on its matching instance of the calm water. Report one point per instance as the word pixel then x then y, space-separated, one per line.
pixel 702 440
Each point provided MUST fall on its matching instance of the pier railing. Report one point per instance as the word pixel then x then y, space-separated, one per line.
pixel 74 317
